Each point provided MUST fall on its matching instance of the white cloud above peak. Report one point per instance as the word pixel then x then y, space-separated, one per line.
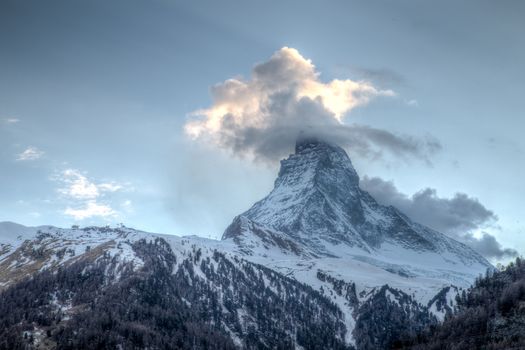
pixel 262 116
pixel 286 75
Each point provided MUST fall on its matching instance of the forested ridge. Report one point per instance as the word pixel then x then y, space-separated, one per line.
pixel 490 315
pixel 197 303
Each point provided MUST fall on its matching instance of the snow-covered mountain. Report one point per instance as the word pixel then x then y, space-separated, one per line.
pixel 317 202
pixel 318 220
pixel 317 261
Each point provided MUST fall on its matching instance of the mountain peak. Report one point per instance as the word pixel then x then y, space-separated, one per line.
pixel 316 157
pixel 317 202
pixel 316 194
pixel 305 142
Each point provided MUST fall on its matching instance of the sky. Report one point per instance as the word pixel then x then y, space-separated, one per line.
pixel 171 116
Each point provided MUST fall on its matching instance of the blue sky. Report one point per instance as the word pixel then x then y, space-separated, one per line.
pixel 95 96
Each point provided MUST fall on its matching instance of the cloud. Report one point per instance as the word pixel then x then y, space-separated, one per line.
pixel 460 213
pixel 127 206
pixel 90 209
pixel 109 187
pixel 30 153
pixel 11 120
pixel 383 76
pixel 85 195
pixel 262 117
pixel 77 186
pixel 488 246
pixel 35 214
pixel 412 103
pixel 457 217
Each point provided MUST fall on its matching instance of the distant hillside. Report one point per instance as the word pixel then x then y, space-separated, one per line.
pixel 490 315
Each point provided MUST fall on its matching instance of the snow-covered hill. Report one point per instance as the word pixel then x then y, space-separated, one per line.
pixel 197 281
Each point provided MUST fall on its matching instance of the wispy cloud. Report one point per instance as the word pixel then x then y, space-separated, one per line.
pixel 87 197
pixel 11 120
pixel 412 103
pixel 382 76
pixel 110 187
pixel 30 153
pixel 77 186
pixel 127 206
pixel 89 210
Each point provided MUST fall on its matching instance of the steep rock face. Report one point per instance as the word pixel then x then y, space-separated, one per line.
pixel 316 196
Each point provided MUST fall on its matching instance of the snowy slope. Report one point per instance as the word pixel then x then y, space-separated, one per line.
pixel 26 250
pixel 12 234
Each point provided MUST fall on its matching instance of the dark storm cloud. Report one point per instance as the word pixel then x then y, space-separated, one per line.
pixel 457 216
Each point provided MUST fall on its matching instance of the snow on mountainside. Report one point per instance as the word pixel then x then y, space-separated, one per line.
pixel 317 227
pixel 27 250
pixel 317 201
pixel 317 208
